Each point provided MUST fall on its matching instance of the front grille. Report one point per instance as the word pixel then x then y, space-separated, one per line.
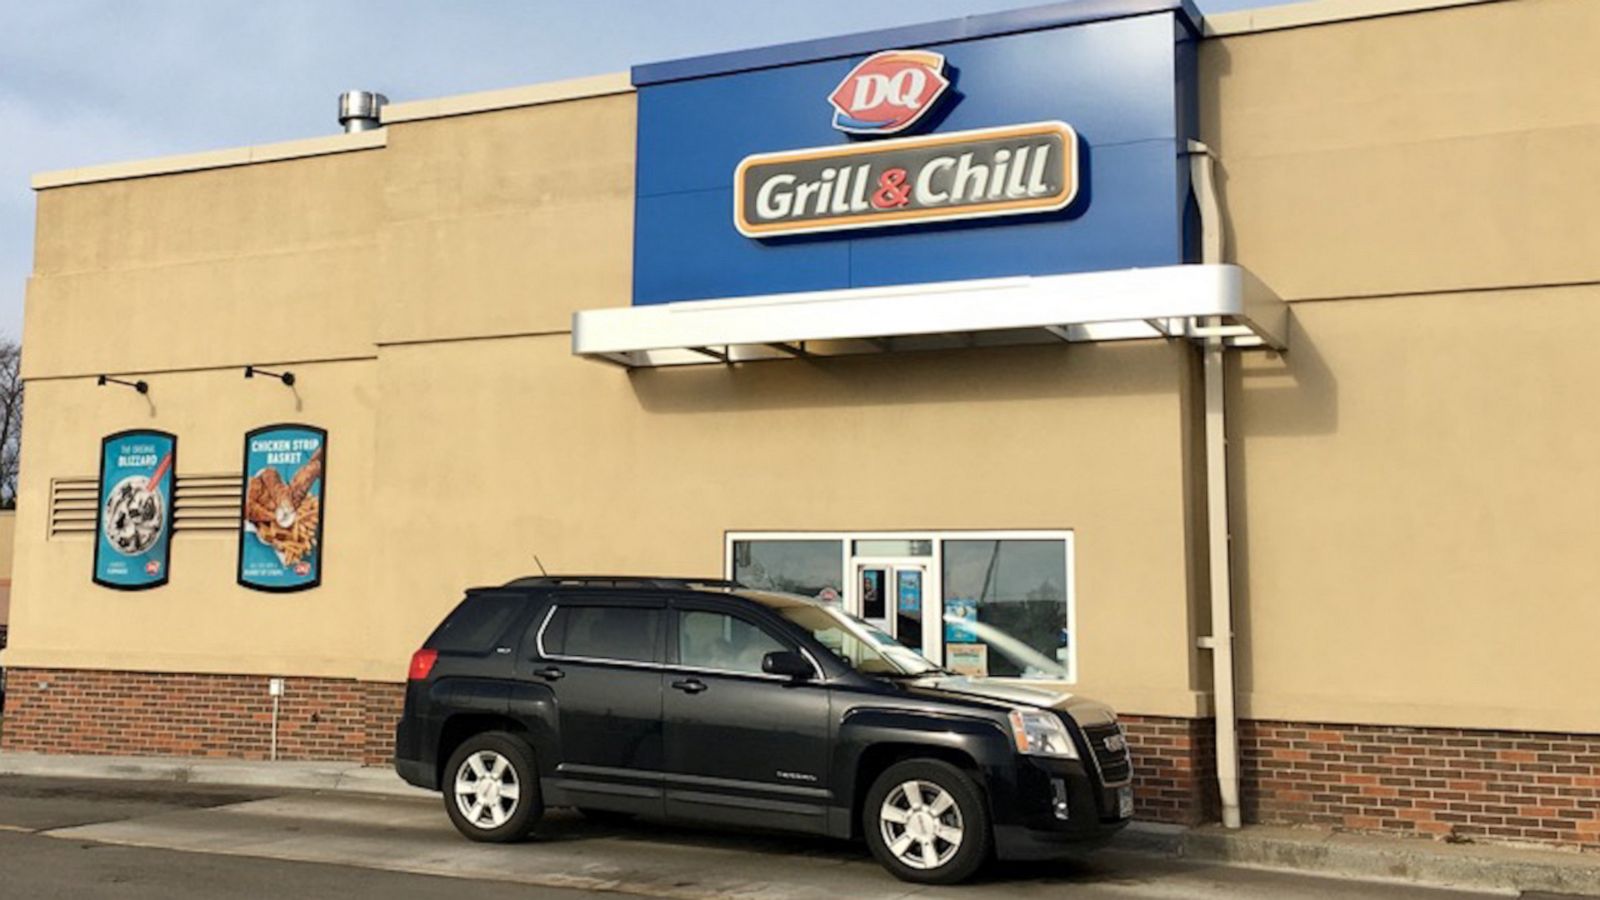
pixel 1115 766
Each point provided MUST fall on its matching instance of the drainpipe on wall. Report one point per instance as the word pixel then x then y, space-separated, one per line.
pixel 1201 177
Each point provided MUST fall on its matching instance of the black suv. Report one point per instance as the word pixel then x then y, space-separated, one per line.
pixel 708 702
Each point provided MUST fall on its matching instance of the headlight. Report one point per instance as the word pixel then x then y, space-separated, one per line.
pixel 1038 732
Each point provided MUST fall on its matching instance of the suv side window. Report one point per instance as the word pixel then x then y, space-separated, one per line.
pixel 714 640
pixel 477 623
pixel 620 633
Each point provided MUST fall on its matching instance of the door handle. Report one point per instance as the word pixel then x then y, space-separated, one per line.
pixel 690 685
pixel 551 673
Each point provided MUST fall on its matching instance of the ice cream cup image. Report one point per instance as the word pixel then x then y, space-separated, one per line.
pixel 134 515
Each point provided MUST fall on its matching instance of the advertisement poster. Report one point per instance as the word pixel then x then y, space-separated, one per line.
pixel 957 612
pixel 133 527
pixel 872 593
pixel 908 587
pixel 280 537
pixel 971 660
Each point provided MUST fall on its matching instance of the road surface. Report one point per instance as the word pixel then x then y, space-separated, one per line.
pixel 132 840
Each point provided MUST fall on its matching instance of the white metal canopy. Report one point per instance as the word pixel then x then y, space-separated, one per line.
pixel 1191 301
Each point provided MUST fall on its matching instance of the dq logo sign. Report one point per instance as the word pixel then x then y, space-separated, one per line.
pixel 888 91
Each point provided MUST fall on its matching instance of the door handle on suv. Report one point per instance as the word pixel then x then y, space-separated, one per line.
pixel 551 673
pixel 690 685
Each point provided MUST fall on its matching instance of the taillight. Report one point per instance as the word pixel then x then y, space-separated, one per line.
pixel 422 663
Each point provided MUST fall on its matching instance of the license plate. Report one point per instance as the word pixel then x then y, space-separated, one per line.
pixel 1125 802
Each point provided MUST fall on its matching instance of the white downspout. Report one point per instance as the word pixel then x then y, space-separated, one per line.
pixel 1217 527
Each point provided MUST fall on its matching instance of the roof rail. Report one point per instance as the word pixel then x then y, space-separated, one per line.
pixel 619 581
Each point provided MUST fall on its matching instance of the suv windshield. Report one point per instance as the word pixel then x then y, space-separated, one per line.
pixel 859 645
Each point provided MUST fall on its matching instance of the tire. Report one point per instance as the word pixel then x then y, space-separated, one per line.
pixel 605 816
pixel 498 761
pixel 916 843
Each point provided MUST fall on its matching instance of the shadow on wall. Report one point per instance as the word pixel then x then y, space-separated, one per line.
pixel 1284 395
pixel 1047 371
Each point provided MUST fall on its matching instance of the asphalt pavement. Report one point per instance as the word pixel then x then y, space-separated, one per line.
pixel 89 838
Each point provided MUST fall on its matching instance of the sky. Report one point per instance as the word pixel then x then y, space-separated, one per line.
pixel 83 83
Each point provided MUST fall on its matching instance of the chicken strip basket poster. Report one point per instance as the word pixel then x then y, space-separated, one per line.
pixel 133 525
pixel 280 539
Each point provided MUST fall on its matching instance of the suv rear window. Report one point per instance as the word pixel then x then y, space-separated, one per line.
pixel 477 623
pixel 624 633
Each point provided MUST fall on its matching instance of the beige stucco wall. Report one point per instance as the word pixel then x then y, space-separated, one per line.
pixel 182 280
pixel 507 222
pixel 249 264
pixel 1430 152
pixel 201 620
pixel 8 535
pixel 1416 479
pixel 494 451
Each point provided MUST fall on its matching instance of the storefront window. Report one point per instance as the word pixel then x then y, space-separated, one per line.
pixel 1005 608
pixel 892 547
pixel 810 568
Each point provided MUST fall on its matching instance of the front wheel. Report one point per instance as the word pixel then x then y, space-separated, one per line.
pixel 926 821
pixel 491 788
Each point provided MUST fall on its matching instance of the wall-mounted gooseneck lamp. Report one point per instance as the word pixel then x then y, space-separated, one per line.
pixel 141 385
pixel 286 377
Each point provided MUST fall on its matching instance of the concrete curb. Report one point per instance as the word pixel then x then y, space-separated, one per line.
pixel 1306 850
pixel 313 776
pixel 1487 867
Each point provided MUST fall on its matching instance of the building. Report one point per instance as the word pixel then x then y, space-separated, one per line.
pixel 8 531
pixel 621 324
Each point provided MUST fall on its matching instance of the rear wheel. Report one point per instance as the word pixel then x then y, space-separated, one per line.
pixel 491 788
pixel 926 821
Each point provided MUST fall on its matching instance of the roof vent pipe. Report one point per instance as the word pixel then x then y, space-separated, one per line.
pixel 359 110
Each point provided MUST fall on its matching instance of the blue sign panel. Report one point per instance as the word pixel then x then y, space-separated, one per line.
pixel 1123 83
pixel 280 538
pixel 133 528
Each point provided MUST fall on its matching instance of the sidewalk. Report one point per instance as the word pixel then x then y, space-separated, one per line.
pixel 313 776
pixel 1307 850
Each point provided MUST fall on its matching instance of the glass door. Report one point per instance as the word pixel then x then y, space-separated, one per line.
pixel 893 594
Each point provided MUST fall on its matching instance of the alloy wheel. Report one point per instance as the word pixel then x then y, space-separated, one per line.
pixel 486 789
pixel 921 824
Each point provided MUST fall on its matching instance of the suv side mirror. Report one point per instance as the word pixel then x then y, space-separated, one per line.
pixel 789 664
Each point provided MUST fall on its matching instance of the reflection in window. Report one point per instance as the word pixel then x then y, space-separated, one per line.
pixel 710 640
pixel 810 568
pixel 603 632
pixel 1015 594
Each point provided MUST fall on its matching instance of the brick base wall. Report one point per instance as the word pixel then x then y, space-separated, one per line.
pixel 1174 769
pixel 160 714
pixel 1476 785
